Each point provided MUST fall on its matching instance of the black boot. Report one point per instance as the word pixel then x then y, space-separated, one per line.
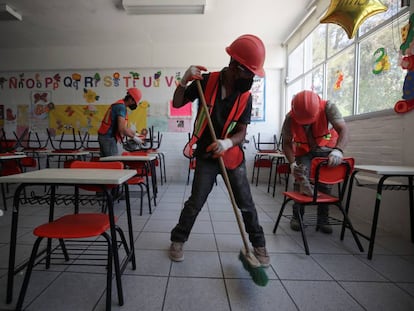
pixel 323 219
pixel 294 222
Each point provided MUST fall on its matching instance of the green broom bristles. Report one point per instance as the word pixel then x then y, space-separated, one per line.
pixel 257 272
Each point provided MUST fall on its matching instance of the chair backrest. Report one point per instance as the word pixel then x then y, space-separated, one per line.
pixel 69 140
pixel 96 165
pixel 31 141
pixel 116 165
pixel 265 146
pixel 6 144
pixel 320 171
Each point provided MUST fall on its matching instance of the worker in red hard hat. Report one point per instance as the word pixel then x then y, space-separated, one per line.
pixel 312 128
pixel 227 92
pixel 114 124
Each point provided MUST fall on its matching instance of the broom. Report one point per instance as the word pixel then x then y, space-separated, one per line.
pixel 250 262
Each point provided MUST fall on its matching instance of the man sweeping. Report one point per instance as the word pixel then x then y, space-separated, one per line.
pixel 227 93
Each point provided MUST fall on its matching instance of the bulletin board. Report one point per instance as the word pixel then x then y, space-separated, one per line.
pixel 78 99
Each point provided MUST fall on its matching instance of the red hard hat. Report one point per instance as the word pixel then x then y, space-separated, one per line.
pixel 305 107
pixel 135 93
pixel 249 51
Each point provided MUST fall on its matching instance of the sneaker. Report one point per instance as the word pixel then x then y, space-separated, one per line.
pixel 294 224
pixel 262 256
pixel 325 228
pixel 176 252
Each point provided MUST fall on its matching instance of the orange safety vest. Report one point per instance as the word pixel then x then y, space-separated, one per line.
pixel 107 121
pixel 322 135
pixel 234 156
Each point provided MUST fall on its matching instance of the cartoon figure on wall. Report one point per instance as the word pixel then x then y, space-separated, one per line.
pixel 407 62
pixel 41 105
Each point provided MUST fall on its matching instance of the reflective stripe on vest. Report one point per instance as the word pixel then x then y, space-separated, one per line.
pixel 234 156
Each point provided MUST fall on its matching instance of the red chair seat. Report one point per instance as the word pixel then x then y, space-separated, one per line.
pixel 74 226
pixel 305 199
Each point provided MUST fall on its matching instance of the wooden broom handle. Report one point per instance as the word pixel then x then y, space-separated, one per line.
pixel 223 167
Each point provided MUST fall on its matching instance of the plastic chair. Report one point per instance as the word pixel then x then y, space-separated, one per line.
pixel 33 144
pixel 74 226
pixel 261 160
pixel 142 177
pixel 156 144
pixel 92 146
pixel 322 173
pixel 7 144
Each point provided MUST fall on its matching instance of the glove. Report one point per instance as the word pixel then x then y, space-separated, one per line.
pixel 293 165
pixel 137 140
pixel 335 157
pixel 192 73
pixel 219 147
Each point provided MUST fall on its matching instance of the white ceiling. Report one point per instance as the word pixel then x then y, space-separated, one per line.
pixel 62 23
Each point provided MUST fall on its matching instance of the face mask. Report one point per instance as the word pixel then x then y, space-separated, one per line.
pixel 133 107
pixel 243 85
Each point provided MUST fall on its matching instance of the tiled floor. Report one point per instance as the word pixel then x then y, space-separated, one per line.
pixel 336 276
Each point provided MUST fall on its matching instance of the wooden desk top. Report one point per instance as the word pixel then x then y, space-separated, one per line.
pixel 71 176
pixel 386 169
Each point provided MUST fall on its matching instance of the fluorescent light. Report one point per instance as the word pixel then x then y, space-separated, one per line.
pixel 9 14
pixel 154 7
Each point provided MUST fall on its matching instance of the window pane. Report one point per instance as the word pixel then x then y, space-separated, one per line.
pixel 387 81
pixel 375 20
pixel 295 63
pixel 340 77
pixel 318 45
pixel 314 80
pixel 337 39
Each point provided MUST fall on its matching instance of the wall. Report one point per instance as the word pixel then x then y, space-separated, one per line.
pixel 382 138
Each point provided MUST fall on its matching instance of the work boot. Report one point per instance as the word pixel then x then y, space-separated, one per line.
pixel 262 256
pixel 294 221
pixel 176 252
pixel 301 178
pixel 323 219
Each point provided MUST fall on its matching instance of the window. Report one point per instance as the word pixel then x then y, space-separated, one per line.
pixel 340 80
pixel 379 71
pixel 295 63
pixel 360 75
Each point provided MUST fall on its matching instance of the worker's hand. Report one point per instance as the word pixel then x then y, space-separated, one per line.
pixel 192 73
pixel 219 147
pixel 335 157
pixel 137 140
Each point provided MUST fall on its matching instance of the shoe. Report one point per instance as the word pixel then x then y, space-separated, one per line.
pixel 294 224
pixel 325 228
pixel 262 256
pixel 176 252
pixel 323 219
pixel 294 221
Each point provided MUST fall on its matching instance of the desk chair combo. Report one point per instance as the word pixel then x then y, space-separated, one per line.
pixel 322 173
pixel 82 226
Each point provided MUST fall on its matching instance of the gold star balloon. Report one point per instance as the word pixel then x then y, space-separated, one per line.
pixel 350 14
